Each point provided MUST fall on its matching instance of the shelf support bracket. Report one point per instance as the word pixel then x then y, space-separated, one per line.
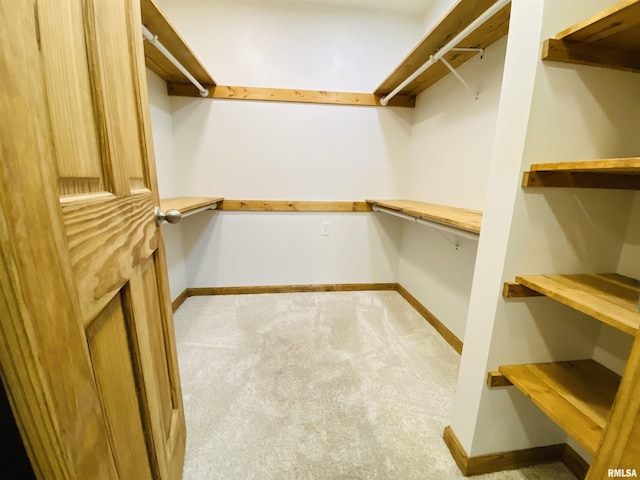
pixel 459 77
pixel 465 49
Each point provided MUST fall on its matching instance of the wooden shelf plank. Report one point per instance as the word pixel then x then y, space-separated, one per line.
pixel 609 39
pixel 610 298
pixel 613 173
pixel 186 205
pixel 577 395
pixel 159 24
pixel 290 95
pixel 456 20
pixel 460 218
pixel 610 165
pixel 292 206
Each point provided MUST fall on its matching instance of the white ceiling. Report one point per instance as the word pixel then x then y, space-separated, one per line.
pixel 399 6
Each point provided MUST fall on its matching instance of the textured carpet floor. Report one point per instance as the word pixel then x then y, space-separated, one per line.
pixel 318 386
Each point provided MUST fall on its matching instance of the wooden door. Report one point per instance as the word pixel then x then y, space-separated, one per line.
pixel 87 348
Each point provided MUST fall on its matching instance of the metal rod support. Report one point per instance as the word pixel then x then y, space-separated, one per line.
pixel 429 223
pixel 153 39
pixel 490 12
pixel 459 77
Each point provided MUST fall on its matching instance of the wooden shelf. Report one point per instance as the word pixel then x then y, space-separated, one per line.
pixel 610 298
pixel 459 218
pixel 610 39
pixel 614 173
pixel 456 20
pixel 189 205
pixel 577 395
pixel 158 24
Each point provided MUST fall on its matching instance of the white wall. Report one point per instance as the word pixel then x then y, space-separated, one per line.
pixel 548 112
pixel 167 170
pixel 451 144
pixel 262 150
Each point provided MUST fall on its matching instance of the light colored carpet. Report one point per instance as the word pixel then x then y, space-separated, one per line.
pixel 318 386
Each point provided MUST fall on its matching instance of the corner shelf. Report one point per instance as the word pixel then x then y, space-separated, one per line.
pixel 454 218
pixel 610 298
pixel 614 173
pixel 456 20
pixel 577 395
pixel 610 39
pixel 158 24
pixel 189 205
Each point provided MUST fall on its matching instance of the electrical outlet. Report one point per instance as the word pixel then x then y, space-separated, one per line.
pixel 326 229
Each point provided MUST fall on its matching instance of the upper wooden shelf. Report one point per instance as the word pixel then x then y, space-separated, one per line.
pixel 189 205
pixel 459 218
pixel 456 20
pixel 610 298
pixel 614 173
pixel 577 395
pixel 610 39
pixel 158 24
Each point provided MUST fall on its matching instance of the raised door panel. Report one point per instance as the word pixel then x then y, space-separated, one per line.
pixel 109 340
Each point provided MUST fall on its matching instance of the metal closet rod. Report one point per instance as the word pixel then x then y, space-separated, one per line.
pixel 150 37
pixel 428 223
pixel 491 11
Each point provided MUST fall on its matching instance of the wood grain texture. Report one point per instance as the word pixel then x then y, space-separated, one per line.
pixel 107 239
pixel 620 447
pixel 614 173
pixel 497 462
pixel 497 379
pixel 515 290
pixel 608 26
pixel 59 416
pixel 577 395
pixel 248 290
pixel 591 55
pixel 108 342
pixel 609 165
pixel 440 327
pixel 292 206
pixel 461 15
pixel 228 92
pixel 188 204
pixel 609 39
pixel 580 180
pixel 159 24
pixel 610 298
pixel 113 92
pixel 69 96
pixel 468 220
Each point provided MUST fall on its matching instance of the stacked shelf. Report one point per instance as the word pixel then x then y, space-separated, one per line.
pixel 614 173
pixel 595 406
pixel 456 218
pixel 577 395
pixel 610 298
pixel 610 39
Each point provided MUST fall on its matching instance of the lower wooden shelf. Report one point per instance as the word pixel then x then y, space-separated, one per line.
pixel 189 205
pixel 455 218
pixel 608 297
pixel 577 395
